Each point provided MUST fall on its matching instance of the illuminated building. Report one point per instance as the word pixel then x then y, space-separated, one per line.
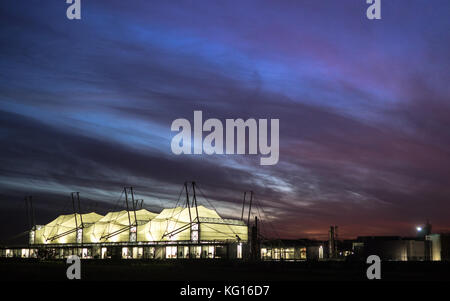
pixel 196 232
pixel 191 231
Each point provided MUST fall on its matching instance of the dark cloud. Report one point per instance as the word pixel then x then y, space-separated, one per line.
pixel 364 132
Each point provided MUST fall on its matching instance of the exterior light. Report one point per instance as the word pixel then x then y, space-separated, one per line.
pixel 419 229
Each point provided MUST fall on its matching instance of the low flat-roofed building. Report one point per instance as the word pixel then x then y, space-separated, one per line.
pixel 393 248
pixel 439 246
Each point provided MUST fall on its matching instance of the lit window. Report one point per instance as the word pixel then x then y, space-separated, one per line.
pixel 239 251
pixel 303 253
pixel 25 253
pixel 104 253
pixel 125 253
pixel 211 252
pixel 171 252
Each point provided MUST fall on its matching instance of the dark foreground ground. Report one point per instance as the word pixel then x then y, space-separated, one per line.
pixel 16 269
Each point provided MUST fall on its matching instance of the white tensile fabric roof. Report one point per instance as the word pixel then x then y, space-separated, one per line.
pixel 53 231
pixel 170 224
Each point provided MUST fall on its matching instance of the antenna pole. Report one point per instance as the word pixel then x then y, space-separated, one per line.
pixel 128 209
pixel 79 209
pixel 243 206
pixel 187 201
pixel 134 206
pixel 74 210
pixel 195 200
pixel 250 207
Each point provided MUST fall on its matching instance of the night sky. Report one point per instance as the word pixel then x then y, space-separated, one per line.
pixel 364 108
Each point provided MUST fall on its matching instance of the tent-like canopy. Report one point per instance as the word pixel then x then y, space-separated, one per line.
pixel 173 224
pixel 63 229
pixel 115 226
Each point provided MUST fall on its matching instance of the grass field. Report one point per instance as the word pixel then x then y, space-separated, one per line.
pixel 182 270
